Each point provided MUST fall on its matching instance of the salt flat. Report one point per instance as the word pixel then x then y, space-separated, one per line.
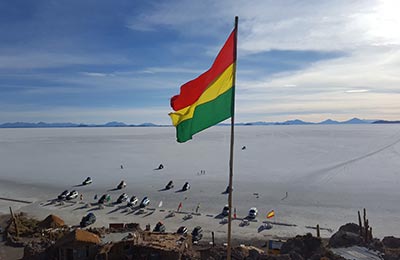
pixel 328 171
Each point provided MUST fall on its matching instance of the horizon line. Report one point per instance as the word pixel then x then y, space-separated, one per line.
pixel 21 124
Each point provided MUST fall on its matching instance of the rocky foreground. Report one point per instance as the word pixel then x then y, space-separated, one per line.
pixel 52 239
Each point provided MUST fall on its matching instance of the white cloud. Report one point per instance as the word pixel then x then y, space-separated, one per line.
pixel 40 60
pixel 96 74
pixel 365 84
pixel 356 91
pixel 154 70
pixel 287 24
pixel 173 14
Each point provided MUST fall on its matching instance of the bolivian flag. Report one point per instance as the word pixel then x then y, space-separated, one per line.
pixel 208 99
pixel 271 214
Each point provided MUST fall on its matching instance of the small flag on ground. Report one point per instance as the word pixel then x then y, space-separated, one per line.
pixel 271 214
pixel 180 206
pixel 208 99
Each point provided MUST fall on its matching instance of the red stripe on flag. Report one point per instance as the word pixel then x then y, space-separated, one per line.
pixel 193 89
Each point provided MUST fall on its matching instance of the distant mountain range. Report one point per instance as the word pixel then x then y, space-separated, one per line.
pixel 352 121
pixel 54 125
pixel 259 123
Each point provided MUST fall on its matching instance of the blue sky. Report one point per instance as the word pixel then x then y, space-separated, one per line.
pixel 99 61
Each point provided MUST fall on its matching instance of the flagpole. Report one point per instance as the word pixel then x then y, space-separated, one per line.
pixel 229 248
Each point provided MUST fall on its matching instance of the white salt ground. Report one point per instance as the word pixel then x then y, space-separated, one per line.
pixel 329 173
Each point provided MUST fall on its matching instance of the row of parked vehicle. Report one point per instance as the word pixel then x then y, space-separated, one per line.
pixel 170 185
pixel 68 195
pixel 133 201
pixel 89 180
pixel 253 212
pixel 122 184
pixel 197 232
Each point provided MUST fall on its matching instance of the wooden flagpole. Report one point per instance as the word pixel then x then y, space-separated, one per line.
pixel 229 248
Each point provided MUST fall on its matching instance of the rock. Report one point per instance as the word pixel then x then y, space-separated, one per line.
pixel 276 257
pixel 218 252
pixel 391 242
pixel 391 257
pixel 391 247
pixel 51 221
pixel 296 256
pixel 307 247
pixel 344 239
pixel 14 241
pixel 302 247
pixel 376 244
pixel 348 235
pixel 254 253
pixel 350 227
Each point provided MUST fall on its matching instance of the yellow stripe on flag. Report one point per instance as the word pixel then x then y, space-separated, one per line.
pixel 223 83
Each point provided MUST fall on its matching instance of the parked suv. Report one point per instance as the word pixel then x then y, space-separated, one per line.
pixel 121 185
pixel 253 213
pixel 186 186
pixel 197 234
pixel 133 201
pixel 87 181
pixel 122 198
pixel 72 195
pixel 88 220
pixel 182 230
pixel 160 227
pixel 105 198
pixel 170 185
pixel 63 195
pixel 145 202
pixel 225 210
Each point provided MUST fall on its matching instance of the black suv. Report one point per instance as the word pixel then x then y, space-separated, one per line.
pixel 197 234
pixel 186 186
pixel 182 230
pixel 160 227
pixel 88 220
pixel 170 185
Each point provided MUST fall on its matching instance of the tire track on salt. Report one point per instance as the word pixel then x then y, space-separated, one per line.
pixel 324 171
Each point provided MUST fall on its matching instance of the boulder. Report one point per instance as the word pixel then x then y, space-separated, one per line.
pixel 302 247
pixel 51 221
pixel 14 241
pixel 254 253
pixel 348 235
pixel 376 245
pixel 391 242
pixel 391 247
pixel 345 239
pixel 276 257
pixel 296 256
pixel 350 227
pixel 36 250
